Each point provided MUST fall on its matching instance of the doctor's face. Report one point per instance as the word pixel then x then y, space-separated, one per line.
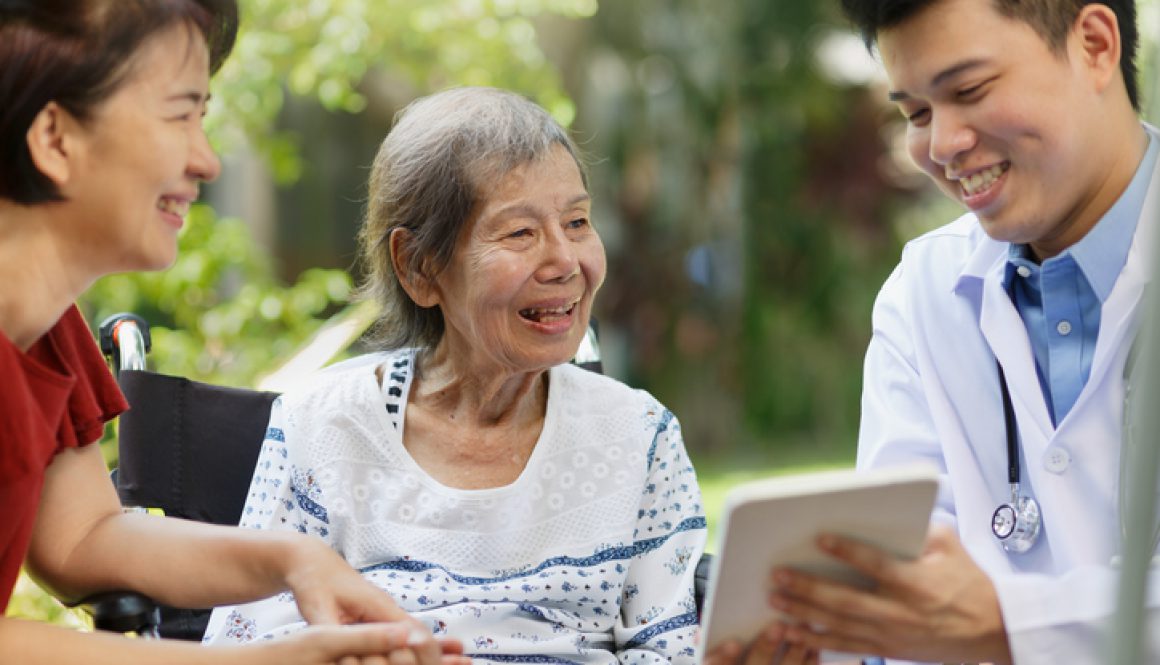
pixel 1001 122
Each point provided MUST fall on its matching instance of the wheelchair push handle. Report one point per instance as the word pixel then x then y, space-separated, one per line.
pixel 125 339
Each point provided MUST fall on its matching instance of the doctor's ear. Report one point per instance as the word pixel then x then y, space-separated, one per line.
pixel 52 143
pixel 1096 37
pixel 418 285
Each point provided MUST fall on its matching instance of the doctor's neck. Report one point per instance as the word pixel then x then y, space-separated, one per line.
pixel 1109 183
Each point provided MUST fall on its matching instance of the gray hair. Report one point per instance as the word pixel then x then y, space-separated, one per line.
pixel 433 169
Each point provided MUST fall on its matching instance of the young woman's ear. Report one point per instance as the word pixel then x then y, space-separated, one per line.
pixel 50 143
pixel 418 286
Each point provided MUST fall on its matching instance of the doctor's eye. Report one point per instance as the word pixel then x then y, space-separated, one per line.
pixel 974 92
pixel 917 118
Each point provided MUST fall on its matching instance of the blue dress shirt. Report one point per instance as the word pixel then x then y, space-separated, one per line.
pixel 1060 300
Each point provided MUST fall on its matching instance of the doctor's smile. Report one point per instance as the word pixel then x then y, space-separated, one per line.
pixel 981 188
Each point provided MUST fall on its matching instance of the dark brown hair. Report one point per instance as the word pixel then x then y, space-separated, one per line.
pixel 76 53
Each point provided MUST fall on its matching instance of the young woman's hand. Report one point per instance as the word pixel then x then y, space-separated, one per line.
pixel 363 644
pixel 329 592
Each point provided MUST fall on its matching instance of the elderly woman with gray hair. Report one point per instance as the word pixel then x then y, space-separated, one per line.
pixel 536 511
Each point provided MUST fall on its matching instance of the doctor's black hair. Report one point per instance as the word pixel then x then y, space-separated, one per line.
pixel 1051 19
pixel 77 53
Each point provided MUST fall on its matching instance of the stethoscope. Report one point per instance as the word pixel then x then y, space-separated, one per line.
pixel 1016 523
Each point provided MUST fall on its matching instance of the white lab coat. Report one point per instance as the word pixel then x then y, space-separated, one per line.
pixel 932 393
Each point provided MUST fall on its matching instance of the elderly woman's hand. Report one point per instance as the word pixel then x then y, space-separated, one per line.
pixel 768 648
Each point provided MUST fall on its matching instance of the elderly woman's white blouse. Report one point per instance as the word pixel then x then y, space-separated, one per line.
pixel 587 557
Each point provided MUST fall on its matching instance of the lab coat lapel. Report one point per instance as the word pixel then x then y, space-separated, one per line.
pixel 1117 329
pixel 1003 329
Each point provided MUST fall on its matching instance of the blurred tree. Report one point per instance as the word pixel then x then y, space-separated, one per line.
pixel 325 50
pixel 746 204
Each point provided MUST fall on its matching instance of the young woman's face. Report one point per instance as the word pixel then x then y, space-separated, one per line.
pixel 142 156
pixel 518 291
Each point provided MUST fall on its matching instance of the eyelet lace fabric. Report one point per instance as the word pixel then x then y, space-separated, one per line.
pixel 588 556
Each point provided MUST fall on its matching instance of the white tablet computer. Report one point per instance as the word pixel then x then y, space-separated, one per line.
pixel 771 523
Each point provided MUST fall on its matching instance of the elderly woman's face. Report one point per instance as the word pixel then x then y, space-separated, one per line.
pixel 142 156
pixel 518 291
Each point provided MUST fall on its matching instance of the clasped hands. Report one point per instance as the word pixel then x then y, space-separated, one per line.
pixel 940 607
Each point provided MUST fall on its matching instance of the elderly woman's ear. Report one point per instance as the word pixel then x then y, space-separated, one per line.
pixel 420 287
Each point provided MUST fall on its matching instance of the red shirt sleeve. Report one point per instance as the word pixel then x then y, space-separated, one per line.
pixel 95 398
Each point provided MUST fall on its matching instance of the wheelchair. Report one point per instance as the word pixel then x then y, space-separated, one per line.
pixel 187 450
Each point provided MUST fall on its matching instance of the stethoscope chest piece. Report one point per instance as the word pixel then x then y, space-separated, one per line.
pixel 1016 524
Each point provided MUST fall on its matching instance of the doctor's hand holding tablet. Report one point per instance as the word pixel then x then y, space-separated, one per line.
pixel 854 542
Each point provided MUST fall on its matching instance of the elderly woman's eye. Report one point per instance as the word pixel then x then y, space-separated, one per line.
pixel 520 233
pixel 578 223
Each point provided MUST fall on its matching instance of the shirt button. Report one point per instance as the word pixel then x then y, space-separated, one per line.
pixel 1023 271
pixel 1057 460
pixel 1063 328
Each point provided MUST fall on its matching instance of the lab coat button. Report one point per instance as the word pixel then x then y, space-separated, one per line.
pixel 1023 271
pixel 1057 460
pixel 1063 327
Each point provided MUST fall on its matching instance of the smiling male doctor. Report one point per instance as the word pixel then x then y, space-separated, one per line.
pixel 1025 111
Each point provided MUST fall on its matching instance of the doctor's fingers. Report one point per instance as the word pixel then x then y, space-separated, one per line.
pixel 776 650
pixel 767 647
pixel 814 643
pixel 812 622
pixel 809 598
pixel 866 559
pixel 798 654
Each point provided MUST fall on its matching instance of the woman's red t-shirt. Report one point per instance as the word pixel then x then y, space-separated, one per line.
pixel 58 395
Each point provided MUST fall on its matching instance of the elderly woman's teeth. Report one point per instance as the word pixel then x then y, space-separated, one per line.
pixel 542 314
